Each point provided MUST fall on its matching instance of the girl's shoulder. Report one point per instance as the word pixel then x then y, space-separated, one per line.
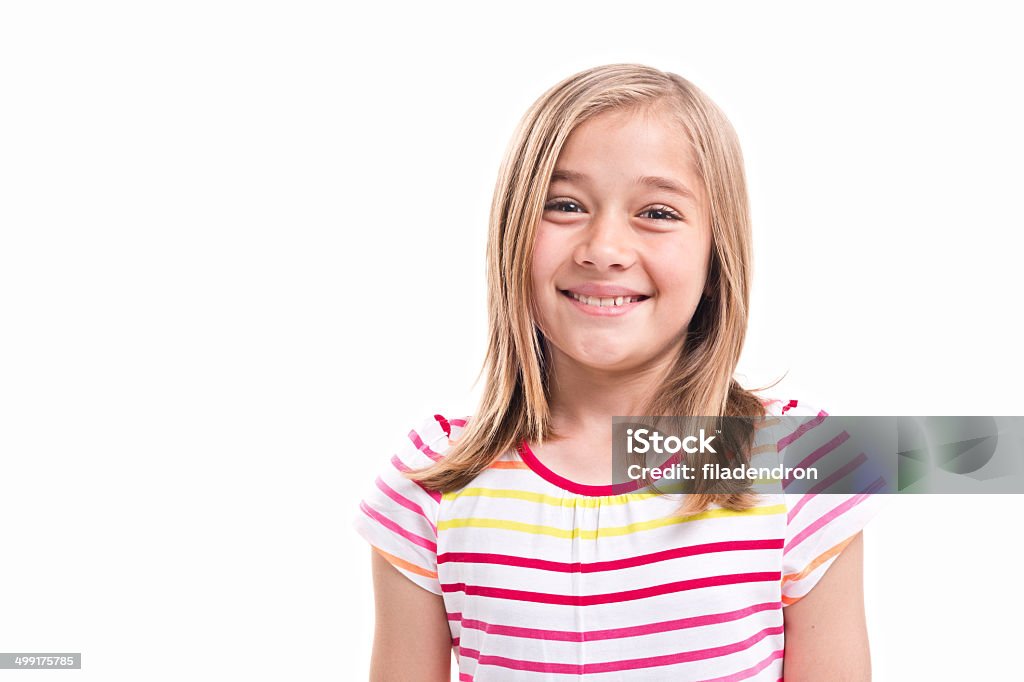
pixel 429 440
pixel 776 407
pixel 793 420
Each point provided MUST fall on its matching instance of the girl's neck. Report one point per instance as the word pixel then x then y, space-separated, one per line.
pixel 583 400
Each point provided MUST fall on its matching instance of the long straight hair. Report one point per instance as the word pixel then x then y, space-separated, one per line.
pixel 514 406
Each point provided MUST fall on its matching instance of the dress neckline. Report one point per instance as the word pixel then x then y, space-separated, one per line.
pixel 526 454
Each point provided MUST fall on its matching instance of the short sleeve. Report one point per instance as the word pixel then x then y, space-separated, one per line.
pixel 399 517
pixel 818 528
pixel 820 525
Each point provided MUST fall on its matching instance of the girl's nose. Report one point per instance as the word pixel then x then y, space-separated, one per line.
pixel 606 243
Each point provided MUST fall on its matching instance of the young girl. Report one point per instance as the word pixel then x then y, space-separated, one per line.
pixel 619 280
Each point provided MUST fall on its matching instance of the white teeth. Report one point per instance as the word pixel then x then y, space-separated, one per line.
pixel 604 302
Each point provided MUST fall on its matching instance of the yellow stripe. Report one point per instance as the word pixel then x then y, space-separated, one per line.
pixel 579 533
pixel 540 498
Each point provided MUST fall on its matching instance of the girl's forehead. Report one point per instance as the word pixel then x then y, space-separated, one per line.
pixel 642 130
pixel 637 143
pixel 655 114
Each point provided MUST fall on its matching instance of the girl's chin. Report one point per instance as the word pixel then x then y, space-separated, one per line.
pixel 607 362
pixel 591 353
pixel 618 357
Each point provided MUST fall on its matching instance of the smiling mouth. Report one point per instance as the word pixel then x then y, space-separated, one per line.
pixel 609 302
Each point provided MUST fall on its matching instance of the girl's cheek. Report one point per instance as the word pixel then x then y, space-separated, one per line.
pixel 545 253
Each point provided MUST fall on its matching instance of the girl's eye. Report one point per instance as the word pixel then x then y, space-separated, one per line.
pixel 563 206
pixel 661 213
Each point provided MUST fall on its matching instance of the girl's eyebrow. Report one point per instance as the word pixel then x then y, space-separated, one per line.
pixel 658 182
pixel 567 176
pixel 667 184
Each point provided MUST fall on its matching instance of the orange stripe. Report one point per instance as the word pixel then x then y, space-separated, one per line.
pixel 818 561
pixel 402 563
pixel 508 465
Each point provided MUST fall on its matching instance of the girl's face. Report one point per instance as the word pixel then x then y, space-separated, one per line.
pixel 623 249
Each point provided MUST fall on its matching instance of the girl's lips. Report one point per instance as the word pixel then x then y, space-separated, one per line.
pixel 602 311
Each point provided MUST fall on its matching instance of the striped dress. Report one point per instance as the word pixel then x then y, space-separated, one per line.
pixel 547 579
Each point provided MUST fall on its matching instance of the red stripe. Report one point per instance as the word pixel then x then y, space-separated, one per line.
pixel 616 666
pixel 803 428
pixel 404 501
pixel 611 597
pixel 395 528
pixel 612 633
pixel 527 455
pixel 444 425
pixel 612 565
pixel 790 404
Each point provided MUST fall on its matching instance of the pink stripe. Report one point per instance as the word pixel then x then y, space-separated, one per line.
pixel 465 677
pixel 612 565
pixel 839 474
pixel 616 666
pixel 400 465
pixel 513 664
pixel 804 428
pixel 822 451
pixel 457 422
pixel 877 485
pixel 611 597
pixel 824 520
pixel 612 633
pixel 422 447
pixel 804 499
pixel 750 672
pixel 395 528
pixel 404 501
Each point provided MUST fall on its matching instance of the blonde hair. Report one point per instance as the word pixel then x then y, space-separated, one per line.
pixel 514 405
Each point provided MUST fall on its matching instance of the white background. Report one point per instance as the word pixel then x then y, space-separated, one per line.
pixel 242 254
